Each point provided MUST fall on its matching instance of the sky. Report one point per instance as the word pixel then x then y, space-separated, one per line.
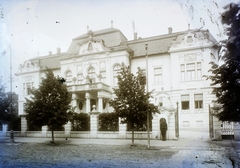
pixel 31 28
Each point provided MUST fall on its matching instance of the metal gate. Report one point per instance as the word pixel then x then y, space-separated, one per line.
pixel 227 128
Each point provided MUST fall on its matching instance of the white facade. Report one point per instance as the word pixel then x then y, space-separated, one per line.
pixel 176 65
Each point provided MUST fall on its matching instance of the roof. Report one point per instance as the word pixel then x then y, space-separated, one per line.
pixel 49 61
pixel 111 37
pixel 162 43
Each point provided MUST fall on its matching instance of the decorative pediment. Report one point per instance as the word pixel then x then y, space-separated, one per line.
pixel 91 45
pixel 29 65
pixel 190 39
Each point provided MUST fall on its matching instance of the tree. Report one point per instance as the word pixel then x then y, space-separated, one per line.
pixel 131 102
pixel 5 109
pixel 4 106
pixel 49 104
pixel 226 77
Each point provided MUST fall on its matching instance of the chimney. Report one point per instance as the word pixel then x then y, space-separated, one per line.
pixel 50 52
pixel 58 50
pixel 170 30
pixel 135 35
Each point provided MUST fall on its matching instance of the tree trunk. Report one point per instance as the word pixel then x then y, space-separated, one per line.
pixel 132 136
pixel 52 134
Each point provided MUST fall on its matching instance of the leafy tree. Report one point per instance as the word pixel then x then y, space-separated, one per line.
pixel 5 109
pixel 4 106
pixel 226 77
pixel 49 104
pixel 132 102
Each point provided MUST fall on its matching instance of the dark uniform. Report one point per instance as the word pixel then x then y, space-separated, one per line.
pixel 163 128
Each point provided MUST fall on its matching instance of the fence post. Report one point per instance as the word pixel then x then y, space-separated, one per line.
pixel 122 129
pixel 23 125
pixel 44 131
pixel 67 129
pixel 93 122
pixel 236 131
pixel 217 129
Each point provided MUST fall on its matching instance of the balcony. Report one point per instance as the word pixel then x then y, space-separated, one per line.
pixel 88 87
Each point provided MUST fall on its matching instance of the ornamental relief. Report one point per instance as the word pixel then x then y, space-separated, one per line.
pixel 191 57
pixel 28 78
pixel 190 39
pixel 28 65
pixel 90 47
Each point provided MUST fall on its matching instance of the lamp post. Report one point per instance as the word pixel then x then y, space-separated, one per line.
pixel 11 133
pixel 177 122
pixel 148 131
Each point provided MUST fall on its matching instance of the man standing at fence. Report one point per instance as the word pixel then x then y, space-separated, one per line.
pixel 163 128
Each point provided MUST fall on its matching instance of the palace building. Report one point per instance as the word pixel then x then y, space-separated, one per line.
pixel 176 63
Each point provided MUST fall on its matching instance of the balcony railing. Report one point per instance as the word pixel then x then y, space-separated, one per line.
pixel 88 87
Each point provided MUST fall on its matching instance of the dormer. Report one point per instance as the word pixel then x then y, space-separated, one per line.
pixel 192 39
pixel 28 66
pixel 91 45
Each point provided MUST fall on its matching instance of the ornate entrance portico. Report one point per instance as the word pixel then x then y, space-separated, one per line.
pixel 170 120
pixel 84 96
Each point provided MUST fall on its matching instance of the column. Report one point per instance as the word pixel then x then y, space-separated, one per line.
pixel 44 131
pixel 67 129
pixel 4 128
pixel 94 123
pixel 236 131
pixel 217 129
pixel 74 100
pixel 155 127
pixel 122 129
pixel 100 104
pixel 23 125
pixel 171 127
pixel 87 96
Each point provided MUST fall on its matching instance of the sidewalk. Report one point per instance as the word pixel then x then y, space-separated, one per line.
pixel 173 144
pixel 181 143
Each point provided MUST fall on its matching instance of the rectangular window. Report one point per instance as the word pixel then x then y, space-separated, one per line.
pixel 29 87
pixel 192 72
pixel 185 102
pixel 199 70
pixel 24 88
pixel 160 101
pixel 143 78
pixel 198 99
pixel 80 78
pixel 182 72
pixel 157 75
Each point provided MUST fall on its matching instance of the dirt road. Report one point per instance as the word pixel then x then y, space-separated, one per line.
pixel 83 155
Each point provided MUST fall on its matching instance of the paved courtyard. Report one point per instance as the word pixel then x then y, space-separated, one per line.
pixel 34 152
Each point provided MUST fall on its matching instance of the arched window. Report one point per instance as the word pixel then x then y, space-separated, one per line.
pixel 68 76
pixel 91 74
pixel 116 70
